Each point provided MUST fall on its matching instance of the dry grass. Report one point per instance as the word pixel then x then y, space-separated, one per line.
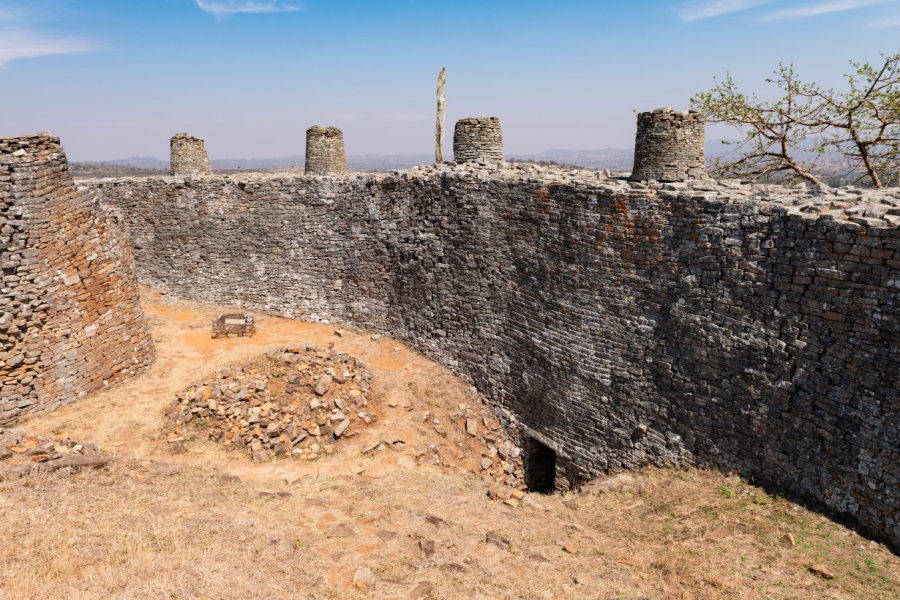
pixel 159 526
pixel 150 529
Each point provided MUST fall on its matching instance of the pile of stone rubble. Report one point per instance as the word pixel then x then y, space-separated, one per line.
pixel 501 459
pixel 289 402
pixel 21 452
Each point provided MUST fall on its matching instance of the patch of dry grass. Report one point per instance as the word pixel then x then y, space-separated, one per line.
pixel 144 529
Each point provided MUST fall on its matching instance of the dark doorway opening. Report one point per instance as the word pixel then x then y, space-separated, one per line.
pixel 540 466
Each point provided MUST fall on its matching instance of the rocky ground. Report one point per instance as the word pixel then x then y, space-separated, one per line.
pixel 23 454
pixel 292 401
pixel 424 501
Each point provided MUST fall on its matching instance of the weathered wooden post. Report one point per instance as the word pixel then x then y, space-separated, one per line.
pixel 439 131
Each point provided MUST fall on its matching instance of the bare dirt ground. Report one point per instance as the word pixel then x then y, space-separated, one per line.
pixel 213 524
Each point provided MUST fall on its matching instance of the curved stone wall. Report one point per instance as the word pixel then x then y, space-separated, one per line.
pixel 188 155
pixel 325 151
pixel 740 327
pixel 669 146
pixel 70 317
pixel 478 139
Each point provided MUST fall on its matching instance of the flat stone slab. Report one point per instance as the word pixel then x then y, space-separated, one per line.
pixel 239 324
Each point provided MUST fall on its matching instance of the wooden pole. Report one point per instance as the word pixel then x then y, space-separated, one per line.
pixel 439 126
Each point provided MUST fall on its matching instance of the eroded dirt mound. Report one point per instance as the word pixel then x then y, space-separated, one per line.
pixel 289 402
pixel 21 452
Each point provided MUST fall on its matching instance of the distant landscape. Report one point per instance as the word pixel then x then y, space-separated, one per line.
pixel 833 168
pixel 616 159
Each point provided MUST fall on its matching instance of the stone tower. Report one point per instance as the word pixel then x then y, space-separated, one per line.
pixel 478 139
pixel 188 155
pixel 70 316
pixel 669 146
pixel 325 151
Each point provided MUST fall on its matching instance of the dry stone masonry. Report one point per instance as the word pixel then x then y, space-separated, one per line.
pixel 616 324
pixel 188 155
pixel 325 151
pixel 612 323
pixel 70 319
pixel 669 146
pixel 239 324
pixel 478 139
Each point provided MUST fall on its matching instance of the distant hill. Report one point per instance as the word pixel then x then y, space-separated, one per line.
pixel 614 159
pixel 607 158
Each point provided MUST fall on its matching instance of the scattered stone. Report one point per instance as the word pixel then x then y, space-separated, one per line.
pixel 822 571
pixel 492 537
pixel 341 531
pixel 364 579
pixel 21 453
pixel 406 461
pixel 570 549
pixel 615 483
pixel 424 590
pixel 426 548
pixel 385 535
pixel 582 578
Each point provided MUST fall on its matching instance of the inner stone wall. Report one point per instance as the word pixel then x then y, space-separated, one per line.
pixel 618 324
pixel 70 318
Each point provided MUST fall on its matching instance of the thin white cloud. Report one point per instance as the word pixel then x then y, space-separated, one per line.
pixel 884 23
pixel 694 11
pixel 16 44
pixel 820 8
pixel 232 7
pixel 19 38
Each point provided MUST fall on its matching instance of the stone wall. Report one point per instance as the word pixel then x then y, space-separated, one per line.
pixel 188 155
pixel 620 324
pixel 325 151
pixel 70 319
pixel 669 146
pixel 478 139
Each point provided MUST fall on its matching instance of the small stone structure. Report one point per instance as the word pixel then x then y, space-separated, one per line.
pixel 325 151
pixel 70 317
pixel 188 155
pixel 478 139
pixel 669 146
pixel 239 324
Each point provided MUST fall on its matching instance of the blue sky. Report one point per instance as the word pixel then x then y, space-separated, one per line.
pixel 116 78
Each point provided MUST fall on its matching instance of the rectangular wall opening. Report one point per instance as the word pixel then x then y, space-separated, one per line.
pixel 540 466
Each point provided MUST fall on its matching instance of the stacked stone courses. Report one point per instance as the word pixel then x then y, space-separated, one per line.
pixel 478 139
pixel 745 327
pixel 669 146
pixel 325 152
pixel 70 318
pixel 188 155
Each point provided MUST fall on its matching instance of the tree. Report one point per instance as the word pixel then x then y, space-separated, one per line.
pixel 862 124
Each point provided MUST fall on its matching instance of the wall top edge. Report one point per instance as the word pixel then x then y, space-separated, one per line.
pixel 864 207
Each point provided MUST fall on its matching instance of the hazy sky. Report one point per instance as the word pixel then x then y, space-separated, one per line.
pixel 116 78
